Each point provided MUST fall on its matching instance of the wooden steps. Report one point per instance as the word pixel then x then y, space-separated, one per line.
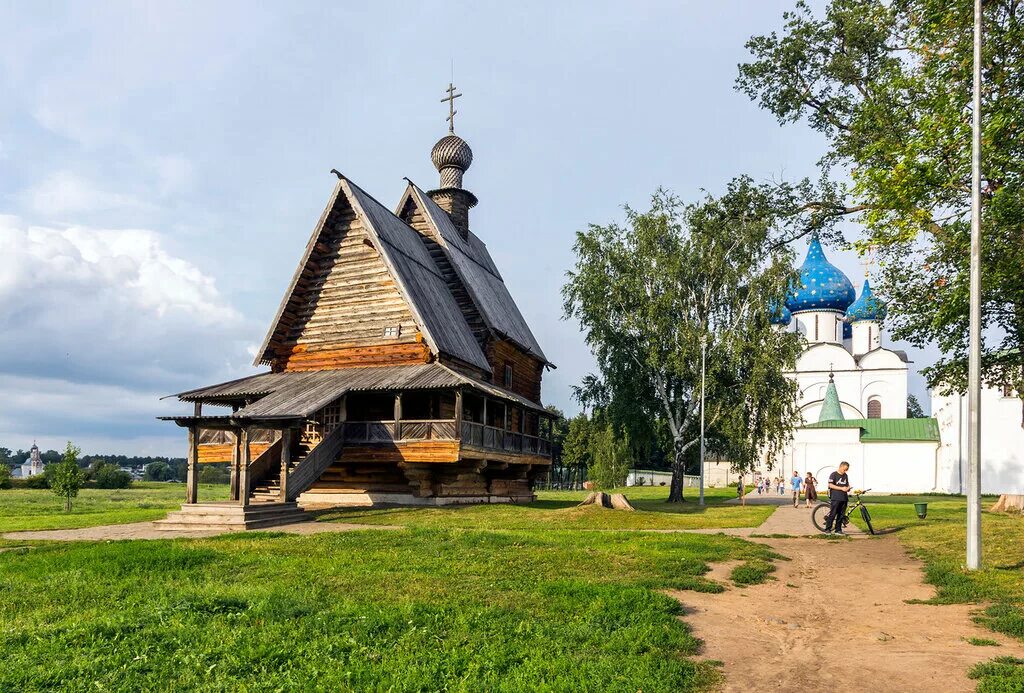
pixel 231 517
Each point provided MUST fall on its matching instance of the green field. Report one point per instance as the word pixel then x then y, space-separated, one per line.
pixel 557 510
pixel 24 509
pixel 430 607
pixel 487 597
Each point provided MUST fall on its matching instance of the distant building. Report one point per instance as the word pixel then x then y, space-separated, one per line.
pixel 33 466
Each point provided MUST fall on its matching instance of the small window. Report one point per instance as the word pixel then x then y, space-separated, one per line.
pixel 508 374
pixel 393 331
pixel 874 408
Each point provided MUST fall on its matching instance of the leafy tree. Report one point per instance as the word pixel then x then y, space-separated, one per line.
pixel 559 429
pixel 6 459
pixel 5 476
pixel 158 471
pixel 610 458
pixel 577 449
pixel 914 408
pixel 888 83
pixel 651 294
pixel 109 475
pixel 214 474
pixel 66 477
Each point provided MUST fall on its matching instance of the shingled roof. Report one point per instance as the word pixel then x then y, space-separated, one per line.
pixel 478 274
pixel 300 394
pixel 436 313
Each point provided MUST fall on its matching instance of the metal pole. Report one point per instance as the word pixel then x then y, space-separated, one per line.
pixel 974 357
pixel 703 362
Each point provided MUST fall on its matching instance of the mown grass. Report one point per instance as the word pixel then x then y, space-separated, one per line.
pixel 33 509
pixel 555 510
pixel 407 610
pixel 1000 675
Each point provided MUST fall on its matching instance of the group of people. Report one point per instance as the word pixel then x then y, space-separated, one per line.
pixel 807 485
pixel 839 489
pixel 765 485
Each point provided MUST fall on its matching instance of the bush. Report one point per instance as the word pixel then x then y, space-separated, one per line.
pixel 158 471
pixel 111 476
pixel 214 474
pixel 5 476
pixel 39 480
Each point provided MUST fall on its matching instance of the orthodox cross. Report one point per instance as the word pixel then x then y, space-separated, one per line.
pixel 868 258
pixel 451 106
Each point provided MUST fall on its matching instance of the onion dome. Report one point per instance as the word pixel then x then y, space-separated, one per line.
pixel 866 307
pixel 451 156
pixel 779 315
pixel 822 285
pixel 847 330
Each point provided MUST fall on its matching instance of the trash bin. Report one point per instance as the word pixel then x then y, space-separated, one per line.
pixel 922 510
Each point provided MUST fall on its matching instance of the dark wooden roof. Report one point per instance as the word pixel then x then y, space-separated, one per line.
pixel 479 275
pixel 300 394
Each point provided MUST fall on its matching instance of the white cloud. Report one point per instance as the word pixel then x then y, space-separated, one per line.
pixel 113 306
pixel 173 174
pixel 66 193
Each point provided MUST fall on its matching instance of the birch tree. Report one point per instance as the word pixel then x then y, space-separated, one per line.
pixel 676 279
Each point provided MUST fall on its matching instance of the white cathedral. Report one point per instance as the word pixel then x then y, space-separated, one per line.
pixel 853 399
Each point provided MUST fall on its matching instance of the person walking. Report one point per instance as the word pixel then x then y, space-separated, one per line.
pixel 741 490
pixel 838 497
pixel 810 489
pixel 782 485
pixel 796 482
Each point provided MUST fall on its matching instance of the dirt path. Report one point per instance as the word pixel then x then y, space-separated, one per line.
pixel 836 616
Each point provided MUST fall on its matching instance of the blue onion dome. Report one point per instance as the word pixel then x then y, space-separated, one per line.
pixel 822 285
pixel 866 307
pixel 779 315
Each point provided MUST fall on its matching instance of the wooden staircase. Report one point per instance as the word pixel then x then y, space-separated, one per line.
pixel 230 517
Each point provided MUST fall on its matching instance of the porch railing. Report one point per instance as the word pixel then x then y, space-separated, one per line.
pixel 475 434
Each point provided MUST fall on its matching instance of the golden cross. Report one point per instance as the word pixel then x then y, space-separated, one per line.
pixel 868 258
pixel 451 106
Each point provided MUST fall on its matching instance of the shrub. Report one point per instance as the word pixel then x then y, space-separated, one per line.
pixel 214 474
pixel 5 476
pixel 39 480
pixel 111 476
pixel 158 471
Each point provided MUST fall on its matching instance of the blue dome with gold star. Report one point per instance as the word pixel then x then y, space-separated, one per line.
pixel 866 307
pixel 822 285
pixel 778 315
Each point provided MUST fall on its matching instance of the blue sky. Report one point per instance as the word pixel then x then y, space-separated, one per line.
pixel 162 164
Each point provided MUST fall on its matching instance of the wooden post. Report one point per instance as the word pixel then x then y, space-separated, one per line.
pixel 398 416
pixel 286 458
pixel 485 410
pixel 236 458
pixel 243 469
pixel 192 476
pixel 458 414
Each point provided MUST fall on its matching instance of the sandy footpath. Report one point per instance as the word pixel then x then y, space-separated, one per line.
pixel 836 616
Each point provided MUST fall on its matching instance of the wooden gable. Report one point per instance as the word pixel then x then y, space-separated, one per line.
pixel 366 293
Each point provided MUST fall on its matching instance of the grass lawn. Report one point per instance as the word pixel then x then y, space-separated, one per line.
pixel 435 606
pixel 940 541
pixel 24 509
pixel 555 510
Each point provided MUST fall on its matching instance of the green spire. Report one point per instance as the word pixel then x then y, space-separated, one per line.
pixel 830 409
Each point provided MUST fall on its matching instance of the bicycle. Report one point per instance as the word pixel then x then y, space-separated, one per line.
pixel 820 512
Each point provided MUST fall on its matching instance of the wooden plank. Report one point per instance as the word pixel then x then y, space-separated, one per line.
pixel 427 452
pixel 210 453
pixel 192 474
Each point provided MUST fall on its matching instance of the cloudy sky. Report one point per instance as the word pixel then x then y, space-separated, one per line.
pixel 162 164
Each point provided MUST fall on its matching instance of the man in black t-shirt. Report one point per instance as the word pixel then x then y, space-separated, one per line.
pixel 838 496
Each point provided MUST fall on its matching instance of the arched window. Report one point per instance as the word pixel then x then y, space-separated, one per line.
pixel 874 408
pixel 815 327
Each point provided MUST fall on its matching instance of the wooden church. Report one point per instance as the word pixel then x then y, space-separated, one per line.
pixel 400 368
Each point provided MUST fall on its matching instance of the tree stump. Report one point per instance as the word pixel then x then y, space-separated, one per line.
pixel 602 499
pixel 1009 503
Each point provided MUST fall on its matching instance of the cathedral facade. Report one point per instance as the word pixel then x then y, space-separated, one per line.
pixel 852 390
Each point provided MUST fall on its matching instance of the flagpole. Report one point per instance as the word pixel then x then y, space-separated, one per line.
pixel 974 357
